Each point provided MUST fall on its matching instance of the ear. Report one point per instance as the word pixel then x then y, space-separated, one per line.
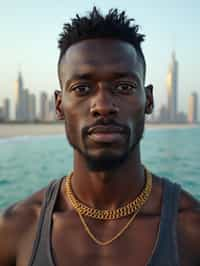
pixel 58 105
pixel 149 99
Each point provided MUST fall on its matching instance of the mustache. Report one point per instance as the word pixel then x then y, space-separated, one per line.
pixel 106 122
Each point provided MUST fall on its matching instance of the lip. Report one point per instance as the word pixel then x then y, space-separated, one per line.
pixel 105 129
pixel 106 134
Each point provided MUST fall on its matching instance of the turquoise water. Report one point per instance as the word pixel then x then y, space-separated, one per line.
pixel 29 163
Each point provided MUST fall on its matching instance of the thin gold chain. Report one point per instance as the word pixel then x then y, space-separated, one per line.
pixel 123 211
pixel 90 234
pixel 104 243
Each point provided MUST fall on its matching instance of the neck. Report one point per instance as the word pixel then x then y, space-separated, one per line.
pixel 108 189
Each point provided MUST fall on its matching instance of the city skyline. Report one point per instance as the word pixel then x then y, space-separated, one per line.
pixel 171 88
pixel 35 52
pixel 27 109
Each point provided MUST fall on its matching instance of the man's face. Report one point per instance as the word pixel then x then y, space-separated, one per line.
pixel 103 100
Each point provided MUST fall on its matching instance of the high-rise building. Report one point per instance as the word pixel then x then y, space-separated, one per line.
pixel 1 114
pixel 25 102
pixel 193 108
pixel 6 109
pixel 29 106
pixel 163 115
pixel 19 98
pixel 32 107
pixel 44 106
pixel 25 105
pixel 52 112
pixel 172 89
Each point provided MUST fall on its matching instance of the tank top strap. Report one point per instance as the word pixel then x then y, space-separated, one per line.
pixel 41 247
pixel 166 252
pixel 170 203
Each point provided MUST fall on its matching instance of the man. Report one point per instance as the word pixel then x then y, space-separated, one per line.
pixel 111 210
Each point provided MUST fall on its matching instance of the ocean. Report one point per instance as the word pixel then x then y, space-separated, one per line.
pixel 29 163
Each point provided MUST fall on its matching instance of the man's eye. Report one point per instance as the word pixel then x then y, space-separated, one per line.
pixel 81 89
pixel 126 88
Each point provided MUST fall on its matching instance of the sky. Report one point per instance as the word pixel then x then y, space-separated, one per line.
pixel 29 31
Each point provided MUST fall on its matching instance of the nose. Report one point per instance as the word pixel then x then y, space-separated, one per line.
pixel 103 103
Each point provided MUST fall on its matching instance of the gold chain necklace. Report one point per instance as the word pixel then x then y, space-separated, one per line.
pixel 104 243
pixel 123 211
pixel 92 236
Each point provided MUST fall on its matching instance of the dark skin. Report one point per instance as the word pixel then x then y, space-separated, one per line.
pixel 102 81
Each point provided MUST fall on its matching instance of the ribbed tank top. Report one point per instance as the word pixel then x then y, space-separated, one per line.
pixel 165 250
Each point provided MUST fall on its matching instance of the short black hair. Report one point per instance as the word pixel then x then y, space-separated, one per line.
pixel 113 25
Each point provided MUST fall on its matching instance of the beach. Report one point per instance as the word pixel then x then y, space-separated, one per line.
pixel 16 130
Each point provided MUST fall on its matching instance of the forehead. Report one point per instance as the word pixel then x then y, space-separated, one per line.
pixel 101 56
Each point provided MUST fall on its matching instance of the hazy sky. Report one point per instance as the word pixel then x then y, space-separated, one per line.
pixel 29 32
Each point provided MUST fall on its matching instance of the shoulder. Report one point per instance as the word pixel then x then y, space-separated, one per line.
pixel 189 224
pixel 189 209
pixel 23 208
pixel 15 222
pixel 188 227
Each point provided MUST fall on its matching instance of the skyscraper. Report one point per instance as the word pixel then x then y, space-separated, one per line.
pixel 6 108
pixel 19 93
pixel 52 111
pixel 193 108
pixel 25 105
pixel 32 107
pixel 172 89
pixel 1 114
pixel 44 106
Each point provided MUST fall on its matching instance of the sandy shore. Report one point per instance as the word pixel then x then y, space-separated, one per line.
pixel 14 130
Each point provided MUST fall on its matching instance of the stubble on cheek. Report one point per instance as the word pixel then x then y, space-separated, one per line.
pixel 136 130
pixel 73 131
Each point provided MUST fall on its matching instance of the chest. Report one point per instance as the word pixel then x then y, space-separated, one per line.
pixel 73 246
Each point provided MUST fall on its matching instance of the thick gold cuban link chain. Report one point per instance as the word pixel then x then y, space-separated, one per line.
pixel 123 211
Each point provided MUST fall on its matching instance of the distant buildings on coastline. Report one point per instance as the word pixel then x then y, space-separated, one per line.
pixel 27 110
pixel 172 89
pixel 193 108
pixel 5 110
pixel 169 113
pixel 25 105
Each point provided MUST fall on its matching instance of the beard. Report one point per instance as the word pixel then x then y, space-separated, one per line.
pixel 109 161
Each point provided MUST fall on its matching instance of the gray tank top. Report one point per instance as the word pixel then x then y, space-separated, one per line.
pixel 165 251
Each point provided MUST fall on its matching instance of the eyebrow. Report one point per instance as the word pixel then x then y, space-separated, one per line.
pixel 125 75
pixel 81 76
pixel 90 75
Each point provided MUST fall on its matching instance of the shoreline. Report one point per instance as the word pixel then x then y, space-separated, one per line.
pixel 20 130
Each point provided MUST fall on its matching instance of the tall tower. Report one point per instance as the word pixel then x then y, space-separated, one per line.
pixel 172 89
pixel 52 111
pixel 193 108
pixel 19 91
pixel 44 107
pixel 7 109
pixel 32 107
